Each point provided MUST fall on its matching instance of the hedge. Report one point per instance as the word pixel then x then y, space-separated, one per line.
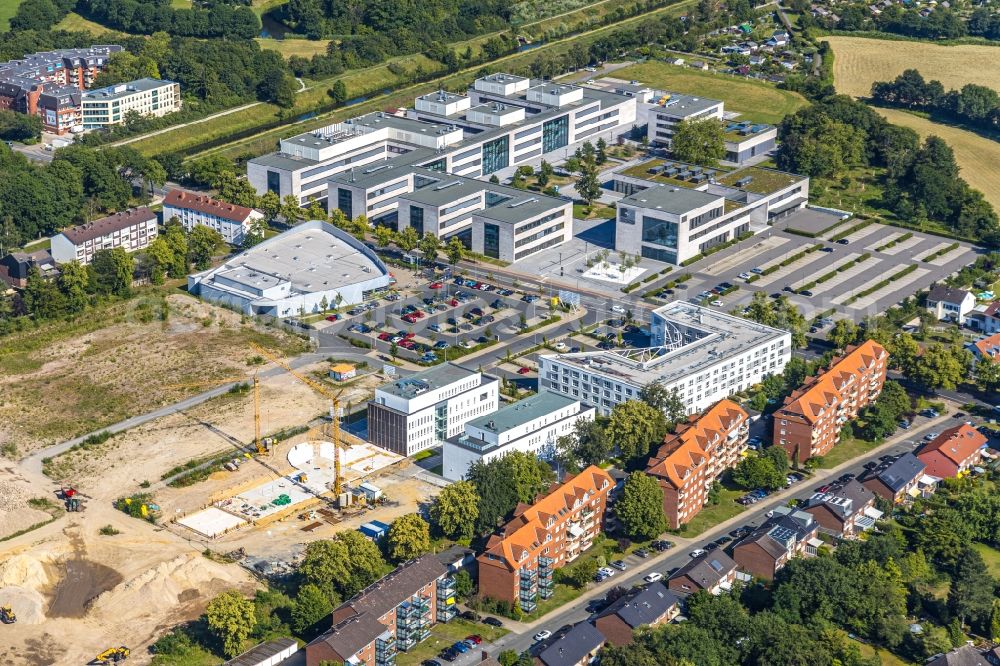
pixel 718 248
pixel 883 283
pixel 847 232
pixel 940 253
pixel 792 259
pixel 839 269
pixel 893 243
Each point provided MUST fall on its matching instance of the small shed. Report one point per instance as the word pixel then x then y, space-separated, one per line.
pixel 343 371
pixel 370 491
pixel 374 530
pixel 270 653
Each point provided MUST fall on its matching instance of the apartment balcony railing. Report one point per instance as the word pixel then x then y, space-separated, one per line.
pixel 528 574
pixel 528 584
pixel 528 606
pixel 447 613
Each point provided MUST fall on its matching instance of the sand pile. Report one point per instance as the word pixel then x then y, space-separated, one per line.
pixel 28 605
pixel 182 579
pixel 24 570
pixel 15 514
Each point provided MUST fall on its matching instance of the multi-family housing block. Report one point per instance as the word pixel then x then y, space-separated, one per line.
pixel 953 453
pixel 147 97
pixel 702 353
pixel 517 563
pixel 232 221
pixel 49 84
pixel 130 230
pixel 695 455
pixel 391 615
pixel 532 425
pixel 423 410
pixel 809 422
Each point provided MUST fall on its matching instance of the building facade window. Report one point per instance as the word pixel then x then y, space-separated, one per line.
pixel 274 182
pixel 555 134
pixel 491 240
pixel 417 219
pixel 659 232
pixel 496 155
pixel 345 202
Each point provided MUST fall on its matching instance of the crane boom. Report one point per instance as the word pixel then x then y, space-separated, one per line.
pixel 257 441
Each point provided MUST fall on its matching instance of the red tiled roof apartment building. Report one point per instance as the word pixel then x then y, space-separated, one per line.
pixel 953 452
pixel 809 422
pixel 519 559
pixel 693 457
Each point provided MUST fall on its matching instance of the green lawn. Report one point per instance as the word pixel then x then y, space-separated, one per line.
pixel 75 22
pixel 596 212
pixel 712 515
pixel 991 556
pixel 844 451
pixel 7 10
pixel 443 635
pixel 887 658
pixel 756 100
pixel 289 47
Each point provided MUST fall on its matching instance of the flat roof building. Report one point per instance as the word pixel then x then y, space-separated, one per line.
pixel 704 354
pixel 532 425
pixel 295 272
pixel 146 97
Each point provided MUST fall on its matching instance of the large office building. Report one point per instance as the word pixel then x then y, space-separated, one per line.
pixel 695 455
pixel 808 424
pixel 532 425
pixel 232 221
pixel 704 354
pixel 295 272
pixel 502 120
pixel 517 564
pixel 146 97
pixel 49 84
pixel 674 211
pixel 423 410
pixel 392 615
pixel 130 230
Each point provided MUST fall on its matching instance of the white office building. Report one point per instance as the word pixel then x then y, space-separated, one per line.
pixel 232 221
pixel 704 354
pixel 130 230
pixel 532 425
pixel 295 272
pixel 421 411
pixel 146 97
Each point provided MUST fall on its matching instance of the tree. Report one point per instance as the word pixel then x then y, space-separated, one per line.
pixel 161 258
pixel 343 565
pixel 231 618
pixel 111 272
pixel 383 235
pixel 640 508
pixel 73 283
pixel 588 445
pixel 633 426
pixel 987 375
pixel 455 510
pixel 338 92
pixel 758 472
pixel 255 233
pixel 503 482
pixel 545 173
pixel 429 246
pixel 311 606
pixel 656 395
pixel 843 333
pixel 409 537
pixel 778 458
pixel 178 242
pixel 407 239
pixel 508 658
pixel 579 574
pixel 699 142
pixel 601 156
pixel 940 366
pixel 455 250
pixel 970 597
pixel 202 244
pixel 589 183
pixel 19 126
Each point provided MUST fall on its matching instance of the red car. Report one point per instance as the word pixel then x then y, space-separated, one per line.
pixel 410 318
pixel 453 303
pixel 419 314
pixel 523 370
pixel 436 285
pixel 407 344
pixel 475 638
pixel 384 336
pixel 410 336
pixel 333 318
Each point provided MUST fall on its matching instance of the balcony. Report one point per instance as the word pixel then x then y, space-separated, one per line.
pixel 528 574
pixel 527 585
pixel 447 613
pixel 528 606
pixel 527 595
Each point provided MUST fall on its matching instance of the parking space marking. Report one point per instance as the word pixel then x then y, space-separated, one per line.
pixel 891 288
pixel 745 256
pixel 864 233
pixel 870 266
pixel 908 244
pixel 947 256
pixel 850 256
pixel 878 242
pixel 810 258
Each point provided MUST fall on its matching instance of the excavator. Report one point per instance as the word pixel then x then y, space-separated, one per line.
pixel 7 615
pixel 112 655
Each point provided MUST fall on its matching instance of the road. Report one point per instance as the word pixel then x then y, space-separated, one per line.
pixel 520 638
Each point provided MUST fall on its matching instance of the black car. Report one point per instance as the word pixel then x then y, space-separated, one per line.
pixel 470 615
pixel 806 292
pixel 871 465
pixel 711 546
pixel 723 540
pixel 492 621
pixel 776 294
pixel 843 241
pixel 787 288
pixel 739 532
pixel 448 655
pixel 430 662
pixel 826 249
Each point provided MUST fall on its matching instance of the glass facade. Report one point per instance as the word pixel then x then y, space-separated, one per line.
pixel 274 182
pixel 345 203
pixel 491 240
pixel 496 155
pixel 555 134
pixel 417 219
pixel 658 254
pixel 437 165
pixel 659 232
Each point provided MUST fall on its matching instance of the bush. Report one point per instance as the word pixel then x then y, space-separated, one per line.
pixel 109 530
pixel 850 230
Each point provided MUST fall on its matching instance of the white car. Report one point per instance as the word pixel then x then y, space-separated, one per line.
pixel 717 303
pixel 542 635
pixel 697 552
pixel 607 571
pixel 744 276
pixel 617 308
pixel 561 346
pixel 653 577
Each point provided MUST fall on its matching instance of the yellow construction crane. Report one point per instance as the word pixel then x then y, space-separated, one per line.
pixel 338 480
pixel 260 444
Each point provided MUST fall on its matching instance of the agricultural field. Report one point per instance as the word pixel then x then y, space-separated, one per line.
pixel 305 48
pixel 977 156
pixel 860 61
pixel 757 101
pixel 7 10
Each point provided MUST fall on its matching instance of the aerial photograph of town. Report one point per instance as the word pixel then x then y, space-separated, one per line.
pixel 500 333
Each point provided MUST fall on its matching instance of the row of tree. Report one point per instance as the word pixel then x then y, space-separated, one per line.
pixel 974 105
pixel 211 20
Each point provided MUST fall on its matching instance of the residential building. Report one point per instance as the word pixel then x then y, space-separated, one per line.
pixel 647 606
pixel 393 614
pixel 421 411
pixel 517 564
pixel 986 350
pixel 898 480
pixel 786 534
pixel 16 267
pixel 232 221
pixel 673 212
pixel 967 655
pixel 502 120
pixel 49 84
pixel 695 455
pixel 946 302
pixel 109 106
pixel 843 511
pixel 577 647
pixel 703 353
pixel 985 318
pixel 713 572
pixel 809 422
pixel 953 453
pixel 500 222
pixel 131 230
pixel 532 425
pixel 298 271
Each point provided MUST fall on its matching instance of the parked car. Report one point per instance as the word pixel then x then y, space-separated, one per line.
pixel 723 540
pixel 542 635
pixel 436 285
pixel 523 370
pixel 607 571
pixel 643 553
pixel 617 308
pixel 931 436
pixel 843 241
pixel 744 276
pixel 826 249
pixel 697 552
pixel 653 577
pixel 475 638
pixel 492 621
pixel 620 565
